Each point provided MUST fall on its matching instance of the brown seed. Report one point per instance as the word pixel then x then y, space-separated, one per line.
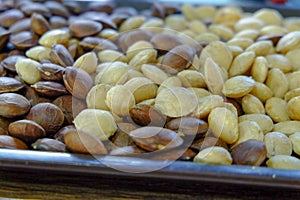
pixel 51 72
pixel 77 81
pixel 126 151
pixel 39 24
pixel 57 8
pixel 188 126
pixel 73 6
pixel 83 142
pixel 174 154
pixel 9 142
pixel 107 22
pixel 8 84
pixel 10 62
pixel 39 8
pixel 48 115
pixel 153 138
pixel 47 144
pixel 145 115
pixel 26 130
pixel 158 10
pixel 165 42
pixel 273 37
pixel 250 152
pixel 60 135
pixel 121 139
pixel 83 28
pixel 9 17
pixel 206 142
pixel 49 88
pixel 33 96
pixel 3 71
pixel 178 58
pixel 106 7
pixel 118 18
pixel 3 131
pixel 58 22
pixel 61 56
pixel 4 35
pixel 95 43
pixel 19 26
pixel 126 39
pixel 13 105
pixel 24 40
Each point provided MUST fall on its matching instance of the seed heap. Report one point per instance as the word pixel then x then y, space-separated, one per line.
pixel 195 83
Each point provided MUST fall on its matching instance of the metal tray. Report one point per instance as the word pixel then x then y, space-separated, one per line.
pixel 86 165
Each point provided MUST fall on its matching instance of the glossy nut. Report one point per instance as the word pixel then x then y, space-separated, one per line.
pixel 51 72
pixel 47 144
pixel 82 28
pixel 250 152
pixel 49 88
pixel 13 105
pixel 61 56
pixel 26 130
pixel 8 84
pixel 39 24
pixel 9 142
pixel 155 138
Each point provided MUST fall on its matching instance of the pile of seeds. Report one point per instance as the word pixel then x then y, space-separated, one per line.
pixel 173 82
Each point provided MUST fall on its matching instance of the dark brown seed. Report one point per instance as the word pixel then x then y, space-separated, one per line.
pixel 174 154
pixel 3 131
pixel 9 63
pixel 49 88
pixel 57 8
pixel 145 115
pixel 178 58
pixel 4 35
pixel 95 43
pixel 39 8
pixel 165 42
pixel 9 142
pixel 73 6
pixel 250 152
pixel 10 17
pixel 75 51
pixel 126 151
pixel 83 142
pixel 51 72
pixel 48 115
pixel 206 142
pixel 13 105
pixel 155 138
pixel 47 144
pixel 121 139
pixel 60 135
pixel 272 37
pixel 58 22
pixel 33 97
pixel 26 130
pixel 118 18
pixel 24 40
pixel 61 56
pixel 188 126
pixel 8 84
pixel 126 39
pixel 77 81
pixel 4 122
pixel 39 24
pixel 106 7
pixel 83 28
pixel 171 8
pixel 3 71
pixel 129 11
pixel 158 10
pixel 236 104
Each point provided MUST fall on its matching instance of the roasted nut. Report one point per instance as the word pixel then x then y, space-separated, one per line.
pixel 77 82
pixel 251 152
pixel 13 105
pixel 4 36
pixel 145 115
pixel 8 84
pixel 31 8
pixel 95 43
pixel 61 56
pixel 24 40
pixel 51 72
pixel 224 124
pixel 83 142
pixel 39 24
pixel 165 42
pixel 47 144
pixel 98 122
pixel 206 142
pixel 155 138
pixel 277 144
pixel 57 8
pixel 60 135
pixel 127 39
pixel 214 155
pixel 10 62
pixel 26 130
pixel 188 126
pixel 178 58
pixel 82 28
pixel 48 115
pixel 49 88
pixel 9 142
pixel 9 17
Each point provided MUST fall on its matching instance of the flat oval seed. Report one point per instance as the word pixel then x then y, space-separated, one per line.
pixel 277 82
pixel 214 155
pixel 241 63
pixel 277 109
pixel 13 105
pixel 284 162
pixel 8 84
pixel 238 86
pixel 287 127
